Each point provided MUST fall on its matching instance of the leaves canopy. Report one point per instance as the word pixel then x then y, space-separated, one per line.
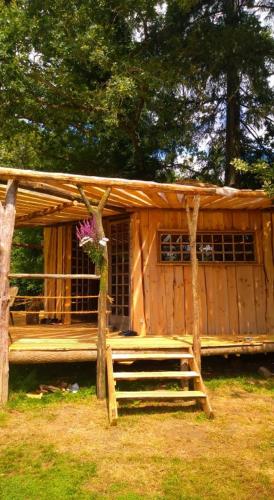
pixel 133 88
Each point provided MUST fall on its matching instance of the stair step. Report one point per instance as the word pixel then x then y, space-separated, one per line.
pixel 152 356
pixel 155 375
pixel 159 394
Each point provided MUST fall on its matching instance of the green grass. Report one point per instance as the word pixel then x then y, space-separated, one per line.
pixel 246 383
pixel 215 479
pixel 3 419
pixel 32 472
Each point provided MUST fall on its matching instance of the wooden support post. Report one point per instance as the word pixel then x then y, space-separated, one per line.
pixel 192 220
pixel 97 213
pixel 7 220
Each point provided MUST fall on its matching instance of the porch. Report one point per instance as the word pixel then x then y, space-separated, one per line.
pixel 30 344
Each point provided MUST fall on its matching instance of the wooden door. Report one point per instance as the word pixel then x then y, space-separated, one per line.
pixel 118 231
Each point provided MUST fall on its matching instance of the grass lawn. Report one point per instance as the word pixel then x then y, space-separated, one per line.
pixel 62 446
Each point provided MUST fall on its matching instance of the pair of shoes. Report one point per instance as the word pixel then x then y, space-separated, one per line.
pixel 129 333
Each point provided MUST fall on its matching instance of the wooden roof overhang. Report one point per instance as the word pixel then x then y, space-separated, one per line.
pixel 46 198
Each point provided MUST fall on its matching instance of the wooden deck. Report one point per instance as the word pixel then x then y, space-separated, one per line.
pixel 77 342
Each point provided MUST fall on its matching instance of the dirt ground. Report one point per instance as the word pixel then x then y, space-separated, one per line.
pixel 163 452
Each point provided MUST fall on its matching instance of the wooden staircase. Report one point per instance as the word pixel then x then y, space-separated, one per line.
pixel 188 372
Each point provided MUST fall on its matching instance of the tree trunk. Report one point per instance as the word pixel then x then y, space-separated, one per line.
pixel 7 220
pixel 102 318
pixel 232 126
pixel 233 106
pixel 97 212
pixel 192 220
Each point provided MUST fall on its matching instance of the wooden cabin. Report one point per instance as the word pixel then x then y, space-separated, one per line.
pixel 150 271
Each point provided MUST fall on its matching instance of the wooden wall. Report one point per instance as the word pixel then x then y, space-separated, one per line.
pixel 234 298
pixel 57 259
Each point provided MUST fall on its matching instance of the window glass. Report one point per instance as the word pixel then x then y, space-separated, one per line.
pixel 211 247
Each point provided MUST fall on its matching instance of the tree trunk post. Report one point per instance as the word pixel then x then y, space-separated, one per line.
pixel 192 220
pixel 7 222
pixel 233 102
pixel 97 213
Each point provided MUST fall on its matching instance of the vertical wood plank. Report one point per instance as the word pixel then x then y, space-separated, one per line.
pixel 246 300
pixel 138 312
pixel 232 293
pixel 268 269
pixel 67 255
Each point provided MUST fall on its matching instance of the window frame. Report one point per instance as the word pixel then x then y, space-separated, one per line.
pixel 202 262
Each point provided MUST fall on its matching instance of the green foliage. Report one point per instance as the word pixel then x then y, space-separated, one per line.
pixel 29 471
pixel 126 88
pixel 263 170
pixel 24 259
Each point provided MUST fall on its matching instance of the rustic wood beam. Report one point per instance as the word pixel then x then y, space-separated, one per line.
pixel 97 212
pixel 38 187
pixel 54 276
pixel 192 221
pixel 85 180
pixel 46 211
pixel 7 221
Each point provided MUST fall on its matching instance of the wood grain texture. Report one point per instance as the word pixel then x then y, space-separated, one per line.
pixel 234 298
pixel 7 220
pixel 57 260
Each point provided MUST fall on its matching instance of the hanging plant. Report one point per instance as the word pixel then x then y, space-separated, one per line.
pixel 89 240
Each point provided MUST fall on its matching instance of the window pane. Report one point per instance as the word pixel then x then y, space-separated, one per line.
pixel 218 257
pixel 217 238
pixel 218 248
pixel 210 247
pixel 176 238
pixel 239 256
pixel 238 237
pixel 186 257
pixel 165 256
pixel 207 238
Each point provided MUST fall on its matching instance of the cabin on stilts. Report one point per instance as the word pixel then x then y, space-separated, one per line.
pixel 186 264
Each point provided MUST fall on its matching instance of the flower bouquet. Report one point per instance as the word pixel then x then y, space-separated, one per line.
pixel 90 241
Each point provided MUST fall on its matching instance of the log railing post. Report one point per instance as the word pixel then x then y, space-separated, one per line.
pixel 97 213
pixel 192 221
pixel 7 221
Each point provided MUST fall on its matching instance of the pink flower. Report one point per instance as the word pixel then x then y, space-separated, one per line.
pixel 87 229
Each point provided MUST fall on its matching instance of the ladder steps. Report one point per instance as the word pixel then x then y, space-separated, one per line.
pixel 151 356
pixel 198 394
pixel 155 375
pixel 160 394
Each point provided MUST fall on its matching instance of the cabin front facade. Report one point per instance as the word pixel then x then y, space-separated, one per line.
pixel 184 262
pixel 150 272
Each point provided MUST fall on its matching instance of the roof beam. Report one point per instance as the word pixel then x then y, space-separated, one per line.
pixel 46 211
pixel 43 188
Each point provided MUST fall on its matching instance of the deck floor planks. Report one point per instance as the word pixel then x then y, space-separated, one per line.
pixel 83 338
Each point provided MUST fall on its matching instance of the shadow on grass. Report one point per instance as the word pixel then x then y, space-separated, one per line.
pixel 162 409
pixel 28 378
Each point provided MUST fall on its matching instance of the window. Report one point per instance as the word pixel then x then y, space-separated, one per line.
pixel 211 247
pixel 119 267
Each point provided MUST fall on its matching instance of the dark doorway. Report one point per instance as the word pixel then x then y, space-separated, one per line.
pixel 119 272
pixel 83 291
